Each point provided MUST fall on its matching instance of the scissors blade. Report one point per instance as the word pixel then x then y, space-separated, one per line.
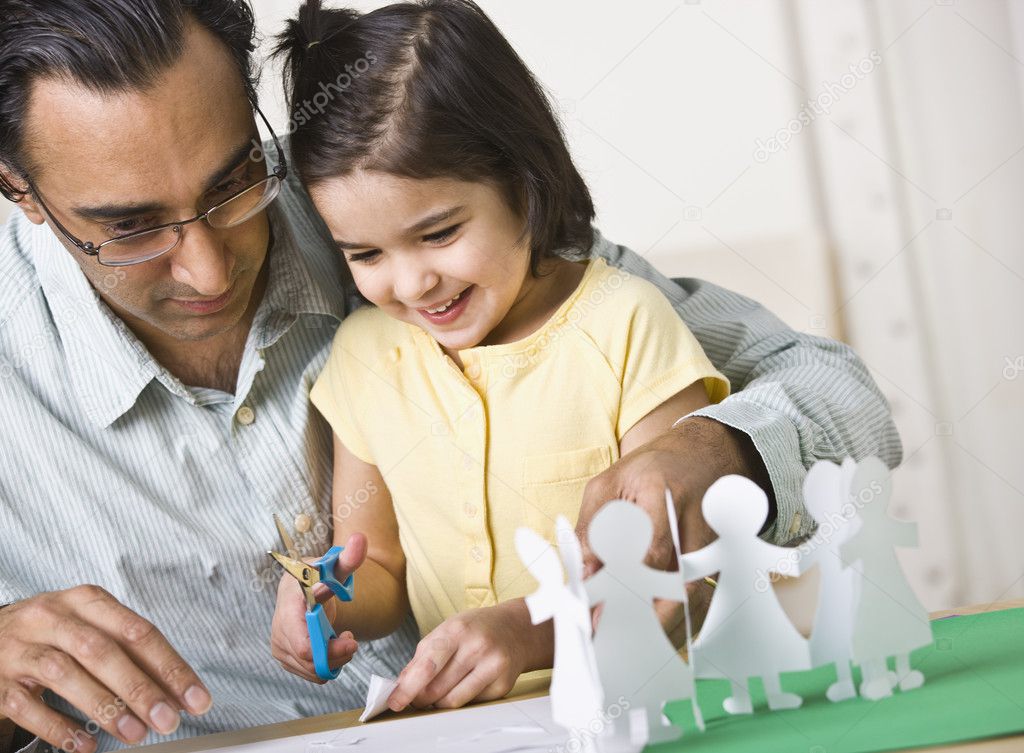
pixel 289 545
pixel 303 573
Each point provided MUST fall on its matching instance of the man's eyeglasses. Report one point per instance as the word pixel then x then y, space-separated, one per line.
pixel 147 244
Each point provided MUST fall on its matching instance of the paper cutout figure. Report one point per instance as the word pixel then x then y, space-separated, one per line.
pixel 746 634
pixel 889 620
pixel 826 497
pixel 635 658
pixel 673 526
pixel 576 697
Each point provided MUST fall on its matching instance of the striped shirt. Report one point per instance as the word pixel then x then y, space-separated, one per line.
pixel 113 472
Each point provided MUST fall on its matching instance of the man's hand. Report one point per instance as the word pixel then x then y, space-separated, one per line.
pixel 474 656
pixel 108 662
pixel 687 459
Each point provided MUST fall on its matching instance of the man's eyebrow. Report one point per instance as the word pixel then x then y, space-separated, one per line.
pixel 106 212
pixel 420 225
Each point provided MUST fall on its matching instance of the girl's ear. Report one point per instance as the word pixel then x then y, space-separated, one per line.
pixel 26 202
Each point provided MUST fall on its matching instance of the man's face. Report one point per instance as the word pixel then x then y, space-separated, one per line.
pixel 112 163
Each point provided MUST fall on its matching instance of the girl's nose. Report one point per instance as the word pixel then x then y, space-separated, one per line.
pixel 413 284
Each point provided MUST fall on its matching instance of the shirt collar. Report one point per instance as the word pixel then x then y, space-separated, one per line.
pixel 109 366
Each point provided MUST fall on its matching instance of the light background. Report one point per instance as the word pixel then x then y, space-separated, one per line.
pixel 892 221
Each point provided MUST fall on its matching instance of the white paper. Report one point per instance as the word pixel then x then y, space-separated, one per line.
pixel 639 667
pixel 377 695
pixel 425 733
pixel 576 697
pixel 746 633
pixel 827 498
pixel 889 620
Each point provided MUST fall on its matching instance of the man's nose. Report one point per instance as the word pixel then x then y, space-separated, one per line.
pixel 201 260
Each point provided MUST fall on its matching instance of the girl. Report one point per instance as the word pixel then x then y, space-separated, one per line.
pixel 498 370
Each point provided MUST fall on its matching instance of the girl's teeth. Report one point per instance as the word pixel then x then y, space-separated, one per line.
pixel 440 309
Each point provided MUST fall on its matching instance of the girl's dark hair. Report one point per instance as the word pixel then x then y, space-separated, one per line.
pixel 430 89
pixel 106 45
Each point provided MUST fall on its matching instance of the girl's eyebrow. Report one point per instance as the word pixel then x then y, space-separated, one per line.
pixel 432 219
pixel 419 226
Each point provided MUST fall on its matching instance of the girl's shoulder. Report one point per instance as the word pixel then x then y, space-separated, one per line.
pixel 368 330
pixel 609 299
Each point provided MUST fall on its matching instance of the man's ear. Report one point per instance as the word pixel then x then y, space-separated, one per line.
pixel 12 184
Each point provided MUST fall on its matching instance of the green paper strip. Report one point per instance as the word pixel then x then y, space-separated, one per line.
pixel 973 689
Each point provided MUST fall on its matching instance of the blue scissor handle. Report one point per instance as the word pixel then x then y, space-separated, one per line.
pixel 321 632
pixel 325 565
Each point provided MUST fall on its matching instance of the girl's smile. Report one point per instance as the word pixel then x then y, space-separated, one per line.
pixel 449 311
pixel 448 256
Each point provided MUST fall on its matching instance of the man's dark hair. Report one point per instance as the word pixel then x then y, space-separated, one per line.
pixel 428 90
pixel 106 45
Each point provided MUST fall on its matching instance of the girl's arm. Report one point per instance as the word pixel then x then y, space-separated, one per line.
pixel 660 420
pixel 362 505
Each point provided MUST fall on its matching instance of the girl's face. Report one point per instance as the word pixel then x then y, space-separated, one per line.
pixel 442 254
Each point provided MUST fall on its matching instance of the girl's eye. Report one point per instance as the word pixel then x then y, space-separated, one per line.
pixel 130 225
pixel 442 235
pixel 366 257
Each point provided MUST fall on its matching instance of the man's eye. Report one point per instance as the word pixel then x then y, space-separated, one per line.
pixel 365 257
pixel 131 225
pixel 231 186
pixel 442 235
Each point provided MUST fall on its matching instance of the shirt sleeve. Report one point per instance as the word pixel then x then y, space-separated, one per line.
pixel 799 398
pixel 658 357
pixel 334 394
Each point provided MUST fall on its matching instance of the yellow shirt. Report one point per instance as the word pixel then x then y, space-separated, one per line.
pixel 470 455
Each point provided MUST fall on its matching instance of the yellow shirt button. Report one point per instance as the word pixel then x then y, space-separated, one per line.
pixel 303 523
pixel 476 553
pixel 470 510
pixel 245 415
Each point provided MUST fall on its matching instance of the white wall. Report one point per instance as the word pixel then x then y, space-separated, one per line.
pixel 893 220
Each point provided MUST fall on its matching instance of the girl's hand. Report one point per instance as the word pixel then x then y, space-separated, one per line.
pixel 289 636
pixel 474 656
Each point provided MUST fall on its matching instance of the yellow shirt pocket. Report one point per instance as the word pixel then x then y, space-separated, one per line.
pixel 553 485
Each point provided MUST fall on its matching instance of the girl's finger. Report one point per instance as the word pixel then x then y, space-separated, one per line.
pixel 454 672
pixel 353 556
pixel 432 656
pixel 481 678
pixel 341 650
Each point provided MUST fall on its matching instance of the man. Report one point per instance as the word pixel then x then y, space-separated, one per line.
pixel 167 298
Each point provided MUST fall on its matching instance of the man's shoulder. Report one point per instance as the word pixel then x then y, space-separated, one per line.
pixel 18 279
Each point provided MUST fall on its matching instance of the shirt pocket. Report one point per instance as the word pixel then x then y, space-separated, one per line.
pixel 553 485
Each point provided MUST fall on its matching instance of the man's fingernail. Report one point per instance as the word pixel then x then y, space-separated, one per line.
pixel 163 718
pixel 198 699
pixel 131 728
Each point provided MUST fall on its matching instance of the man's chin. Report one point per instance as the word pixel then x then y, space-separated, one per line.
pixel 199 328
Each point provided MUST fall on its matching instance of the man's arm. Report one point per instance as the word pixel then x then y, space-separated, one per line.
pixel 797 398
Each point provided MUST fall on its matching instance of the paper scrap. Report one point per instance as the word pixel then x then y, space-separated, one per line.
pixel 377 695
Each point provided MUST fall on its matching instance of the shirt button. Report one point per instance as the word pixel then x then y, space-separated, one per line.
pixel 303 523
pixel 470 510
pixel 467 461
pixel 245 415
pixel 476 553
pixel 473 372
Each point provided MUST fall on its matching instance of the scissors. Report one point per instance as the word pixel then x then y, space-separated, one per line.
pixel 321 632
